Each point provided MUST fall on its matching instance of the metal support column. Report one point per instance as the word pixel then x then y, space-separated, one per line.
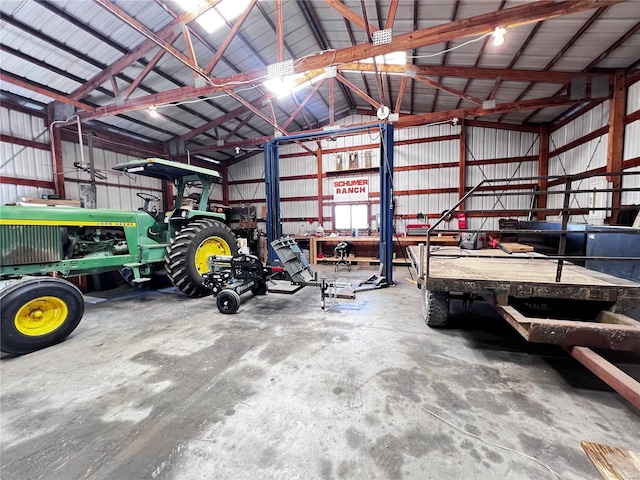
pixel 386 201
pixel 272 185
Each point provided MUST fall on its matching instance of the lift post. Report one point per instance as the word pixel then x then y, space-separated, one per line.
pixel 272 181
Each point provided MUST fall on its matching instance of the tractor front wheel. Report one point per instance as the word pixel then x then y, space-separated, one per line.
pixel 37 313
pixel 187 257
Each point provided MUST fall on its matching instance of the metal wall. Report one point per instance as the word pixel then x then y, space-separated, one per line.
pixel 588 156
pixel 424 191
pixel 118 190
pixel 632 146
pixel 20 161
pixel 489 144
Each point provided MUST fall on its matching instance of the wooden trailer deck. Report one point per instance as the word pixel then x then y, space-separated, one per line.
pixel 499 278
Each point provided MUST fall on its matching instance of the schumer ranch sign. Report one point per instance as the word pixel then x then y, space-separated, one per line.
pixel 351 189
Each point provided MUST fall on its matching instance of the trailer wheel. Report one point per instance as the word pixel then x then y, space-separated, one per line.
pixel 435 308
pixel 38 313
pixel 260 288
pixel 228 301
pixel 187 257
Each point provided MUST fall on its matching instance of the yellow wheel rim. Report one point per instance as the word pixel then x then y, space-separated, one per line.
pixel 210 246
pixel 40 316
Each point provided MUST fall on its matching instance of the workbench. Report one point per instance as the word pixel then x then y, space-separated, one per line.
pixel 367 249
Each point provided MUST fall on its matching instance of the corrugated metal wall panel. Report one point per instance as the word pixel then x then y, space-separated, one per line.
pixel 108 196
pixel 633 98
pixel 632 150
pixel 592 120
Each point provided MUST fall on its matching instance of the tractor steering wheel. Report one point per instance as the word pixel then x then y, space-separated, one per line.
pixel 147 197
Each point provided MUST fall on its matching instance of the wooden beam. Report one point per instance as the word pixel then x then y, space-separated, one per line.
pixel 615 145
pixel 357 91
pixel 27 182
pixel 543 169
pixel 57 165
pixel 223 46
pixel 332 101
pixel 304 102
pixel 425 118
pixel 519 75
pixel 158 40
pixel 349 14
pixel 319 187
pixel 450 90
pixel 140 51
pixel 478 25
pixel 579 141
pixel 622 383
pixel 26 84
pixel 403 86
pixel 148 67
pixel 279 31
pixel 462 160
pixel 502 126
pixel 23 141
pixel 391 14
pixel 239 126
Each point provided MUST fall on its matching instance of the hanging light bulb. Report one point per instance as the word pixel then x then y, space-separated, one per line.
pixel 153 111
pixel 498 36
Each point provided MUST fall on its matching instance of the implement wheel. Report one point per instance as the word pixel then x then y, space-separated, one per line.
pixel 435 308
pixel 260 288
pixel 187 257
pixel 228 301
pixel 37 313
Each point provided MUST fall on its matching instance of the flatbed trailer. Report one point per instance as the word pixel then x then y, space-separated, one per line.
pixel 520 285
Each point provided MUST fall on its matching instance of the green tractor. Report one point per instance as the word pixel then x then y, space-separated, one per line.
pixel 40 244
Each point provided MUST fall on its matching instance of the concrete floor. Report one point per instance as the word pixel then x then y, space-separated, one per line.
pixel 153 385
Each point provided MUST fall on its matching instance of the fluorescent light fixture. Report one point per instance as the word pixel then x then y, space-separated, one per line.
pixel 498 36
pixel 216 17
pixel 394 58
pixel 281 86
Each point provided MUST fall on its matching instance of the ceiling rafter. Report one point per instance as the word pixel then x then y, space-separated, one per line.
pixel 323 42
pixel 369 38
pixel 286 46
pixel 571 42
pixel 77 23
pixel 620 41
pixel 140 51
pixel 481 54
pixel 388 90
pixel 452 91
pixel 42 90
pixel 472 26
pixel 445 55
pixel 241 124
pixel 391 14
pixel 352 38
pixel 230 36
pixel 350 15
pixel 359 92
pixel 414 52
pixel 304 102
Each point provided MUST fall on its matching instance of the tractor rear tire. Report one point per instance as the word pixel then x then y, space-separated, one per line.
pixel 187 256
pixel 435 308
pixel 37 313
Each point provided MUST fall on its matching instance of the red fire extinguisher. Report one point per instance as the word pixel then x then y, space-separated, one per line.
pixel 462 221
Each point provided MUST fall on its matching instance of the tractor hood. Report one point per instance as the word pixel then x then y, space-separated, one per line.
pixel 168 170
